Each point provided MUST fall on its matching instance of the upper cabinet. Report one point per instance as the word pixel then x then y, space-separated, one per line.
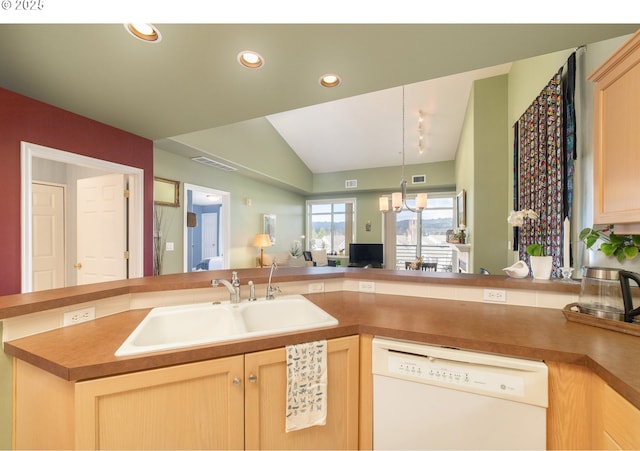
pixel 617 138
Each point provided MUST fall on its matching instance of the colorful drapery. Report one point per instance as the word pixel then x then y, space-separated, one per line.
pixel 541 176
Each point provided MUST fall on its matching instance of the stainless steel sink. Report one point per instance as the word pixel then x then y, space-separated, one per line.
pixel 166 328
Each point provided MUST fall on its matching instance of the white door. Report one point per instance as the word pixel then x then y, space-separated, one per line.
pixel 48 236
pixel 101 232
pixel 209 235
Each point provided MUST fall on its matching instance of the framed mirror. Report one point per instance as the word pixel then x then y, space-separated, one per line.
pixel 461 200
pixel 166 192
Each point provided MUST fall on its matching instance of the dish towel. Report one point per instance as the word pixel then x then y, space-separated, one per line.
pixel 306 385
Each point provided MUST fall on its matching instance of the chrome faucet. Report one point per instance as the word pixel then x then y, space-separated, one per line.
pixel 252 291
pixel 233 287
pixel 270 289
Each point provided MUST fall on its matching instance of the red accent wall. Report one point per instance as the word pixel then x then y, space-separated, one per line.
pixel 26 119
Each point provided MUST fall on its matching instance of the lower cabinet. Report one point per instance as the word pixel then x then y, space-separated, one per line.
pixel 619 421
pixel 586 413
pixel 265 401
pixel 228 403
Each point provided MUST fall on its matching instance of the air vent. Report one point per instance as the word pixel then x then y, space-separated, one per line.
pixel 214 164
pixel 417 179
pixel 351 183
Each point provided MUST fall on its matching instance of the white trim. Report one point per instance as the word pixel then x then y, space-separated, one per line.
pixel 136 224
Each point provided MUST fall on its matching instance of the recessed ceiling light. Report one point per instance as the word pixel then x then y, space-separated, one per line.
pixel 144 31
pixel 250 59
pixel 330 80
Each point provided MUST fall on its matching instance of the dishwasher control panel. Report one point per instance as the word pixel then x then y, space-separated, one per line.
pixel 445 373
pixel 486 374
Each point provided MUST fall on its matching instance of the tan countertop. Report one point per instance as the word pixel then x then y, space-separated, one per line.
pixel 87 350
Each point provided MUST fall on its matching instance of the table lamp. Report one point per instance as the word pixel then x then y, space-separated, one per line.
pixel 262 240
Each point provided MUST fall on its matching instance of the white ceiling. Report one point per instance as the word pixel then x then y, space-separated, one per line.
pixel 191 81
pixel 366 130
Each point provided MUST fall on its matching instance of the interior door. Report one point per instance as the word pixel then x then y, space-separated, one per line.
pixel 48 220
pixel 102 229
pixel 209 235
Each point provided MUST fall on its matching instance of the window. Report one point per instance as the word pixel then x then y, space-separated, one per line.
pixel 426 234
pixel 330 224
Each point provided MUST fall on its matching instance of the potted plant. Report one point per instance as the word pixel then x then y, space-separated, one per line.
pixel 541 264
pixel 622 247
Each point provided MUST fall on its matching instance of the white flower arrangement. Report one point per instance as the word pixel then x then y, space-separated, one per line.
pixel 516 218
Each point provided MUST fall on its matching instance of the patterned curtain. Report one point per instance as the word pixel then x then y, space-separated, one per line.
pixel 541 173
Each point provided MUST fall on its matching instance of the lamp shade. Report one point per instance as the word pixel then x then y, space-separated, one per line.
pixel 396 201
pixel 383 203
pixel 262 240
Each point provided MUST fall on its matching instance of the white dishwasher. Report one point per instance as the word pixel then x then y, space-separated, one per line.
pixel 431 397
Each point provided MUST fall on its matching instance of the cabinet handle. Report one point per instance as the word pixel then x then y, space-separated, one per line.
pixel 253 378
pixel 237 381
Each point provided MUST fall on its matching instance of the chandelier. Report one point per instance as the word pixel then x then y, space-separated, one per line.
pixel 399 199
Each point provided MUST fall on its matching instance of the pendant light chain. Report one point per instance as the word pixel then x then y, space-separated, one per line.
pixel 399 199
pixel 403 174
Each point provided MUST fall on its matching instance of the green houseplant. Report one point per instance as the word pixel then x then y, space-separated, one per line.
pixel 622 247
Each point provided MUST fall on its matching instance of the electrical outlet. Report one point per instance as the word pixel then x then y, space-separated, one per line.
pixel 367 286
pixel 79 316
pixel 317 287
pixel 495 295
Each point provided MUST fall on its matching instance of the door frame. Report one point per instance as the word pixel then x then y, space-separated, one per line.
pixel 135 176
pixel 224 244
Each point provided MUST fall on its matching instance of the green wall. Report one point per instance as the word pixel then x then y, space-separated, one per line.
pixel 246 220
pixel 256 149
pixel 491 172
pixel 372 183
pixel 439 175
pixel 482 172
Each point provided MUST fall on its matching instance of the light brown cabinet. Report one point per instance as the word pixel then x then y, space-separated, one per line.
pixel 617 138
pixel 586 413
pixel 216 404
pixel 265 401
pixel 619 421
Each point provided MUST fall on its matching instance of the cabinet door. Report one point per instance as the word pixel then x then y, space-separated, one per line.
pixel 570 412
pixel 265 401
pixel 620 421
pixel 193 406
pixel 617 138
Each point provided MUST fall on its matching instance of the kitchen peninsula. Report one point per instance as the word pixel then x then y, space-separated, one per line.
pixel 441 309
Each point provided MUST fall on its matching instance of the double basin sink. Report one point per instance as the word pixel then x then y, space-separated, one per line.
pixel 166 328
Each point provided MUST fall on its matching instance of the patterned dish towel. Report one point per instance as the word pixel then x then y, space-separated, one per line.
pixel 306 385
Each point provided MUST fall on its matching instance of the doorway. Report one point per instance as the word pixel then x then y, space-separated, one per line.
pixel 206 228
pixel 79 165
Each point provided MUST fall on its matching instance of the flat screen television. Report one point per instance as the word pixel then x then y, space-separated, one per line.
pixel 366 254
